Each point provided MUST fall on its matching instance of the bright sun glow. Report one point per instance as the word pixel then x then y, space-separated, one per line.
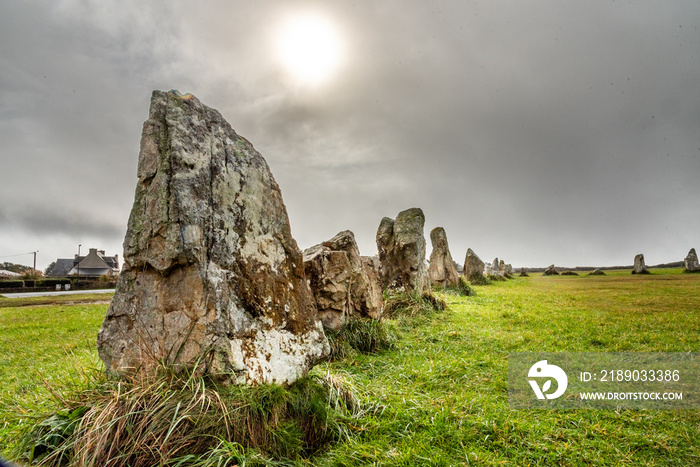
pixel 309 48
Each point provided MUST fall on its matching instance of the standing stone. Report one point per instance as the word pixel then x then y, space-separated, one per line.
pixel 523 272
pixel 550 271
pixel 496 267
pixel 442 270
pixel 343 283
pixel 639 266
pixel 691 261
pixel 401 246
pixel 473 267
pixel 212 278
pixel 371 266
pixel 597 272
pixel 507 270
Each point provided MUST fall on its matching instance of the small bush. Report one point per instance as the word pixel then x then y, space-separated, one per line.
pixel 362 335
pixel 31 274
pixel 179 420
pixel 412 304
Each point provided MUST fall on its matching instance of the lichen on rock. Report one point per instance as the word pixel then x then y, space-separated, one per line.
pixel 345 285
pixel 212 277
pixel 401 246
pixel 442 270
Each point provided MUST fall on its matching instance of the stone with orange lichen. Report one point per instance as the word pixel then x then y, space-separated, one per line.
pixel 212 278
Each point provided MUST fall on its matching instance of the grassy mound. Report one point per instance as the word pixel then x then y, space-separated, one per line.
pixel 367 336
pixel 463 288
pixel 495 278
pixel 170 420
pixel 411 304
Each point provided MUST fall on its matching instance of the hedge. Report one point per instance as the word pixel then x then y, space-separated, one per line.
pixel 11 284
pixel 52 282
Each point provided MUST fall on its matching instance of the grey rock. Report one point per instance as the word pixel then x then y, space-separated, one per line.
pixel 442 270
pixel 507 270
pixel 639 266
pixel 212 279
pixel 597 272
pixel 496 267
pixel 473 267
pixel 345 285
pixel 550 271
pixel 691 261
pixel 523 273
pixel 401 246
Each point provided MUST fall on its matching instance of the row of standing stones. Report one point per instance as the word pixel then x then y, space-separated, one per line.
pixel 212 279
pixel 690 264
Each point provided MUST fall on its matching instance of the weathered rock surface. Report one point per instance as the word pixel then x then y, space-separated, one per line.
pixel 597 272
pixel 212 277
pixel 371 266
pixel 639 266
pixel 473 267
pixel 507 270
pixel 442 270
pixel 344 284
pixel 691 261
pixel 496 267
pixel 523 273
pixel 401 247
pixel 550 271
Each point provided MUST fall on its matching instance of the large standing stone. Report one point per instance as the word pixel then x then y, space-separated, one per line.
pixel 442 269
pixel 344 284
pixel 639 266
pixel 550 271
pixel 401 246
pixel 212 277
pixel 691 261
pixel 473 267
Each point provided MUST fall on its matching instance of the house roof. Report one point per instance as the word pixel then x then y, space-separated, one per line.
pixel 94 264
pixel 62 267
pixel 93 260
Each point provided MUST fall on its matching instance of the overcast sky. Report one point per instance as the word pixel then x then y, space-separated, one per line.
pixel 541 132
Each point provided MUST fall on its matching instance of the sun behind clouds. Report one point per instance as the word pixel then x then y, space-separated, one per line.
pixel 309 47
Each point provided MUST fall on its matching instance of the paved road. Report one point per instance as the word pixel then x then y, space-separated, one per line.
pixel 49 294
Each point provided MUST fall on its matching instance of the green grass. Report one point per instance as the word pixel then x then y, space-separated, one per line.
pixel 440 393
pixel 70 299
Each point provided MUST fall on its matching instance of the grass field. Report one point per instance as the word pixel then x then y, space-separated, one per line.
pixel 440 396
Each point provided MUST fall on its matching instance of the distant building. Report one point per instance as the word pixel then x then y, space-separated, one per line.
pixel 95 264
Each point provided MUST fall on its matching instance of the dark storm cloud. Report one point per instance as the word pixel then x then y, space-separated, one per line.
pixel 62 222
pixel 543 132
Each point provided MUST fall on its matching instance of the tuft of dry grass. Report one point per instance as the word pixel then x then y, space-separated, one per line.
pixel 169 419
